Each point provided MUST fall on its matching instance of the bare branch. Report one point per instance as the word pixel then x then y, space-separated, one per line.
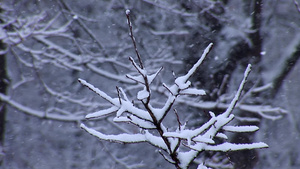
pixel 133 39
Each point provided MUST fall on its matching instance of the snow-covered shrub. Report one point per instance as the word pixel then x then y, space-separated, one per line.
pixel 182 145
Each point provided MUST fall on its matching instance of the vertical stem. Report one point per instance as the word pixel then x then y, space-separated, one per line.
pixel 157 123
pixel 133 39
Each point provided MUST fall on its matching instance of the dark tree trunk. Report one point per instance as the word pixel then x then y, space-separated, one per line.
pixel 247 159
pixel 255 37
pixel 3 89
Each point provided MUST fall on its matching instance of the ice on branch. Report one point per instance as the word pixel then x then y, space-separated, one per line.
pixel 172 143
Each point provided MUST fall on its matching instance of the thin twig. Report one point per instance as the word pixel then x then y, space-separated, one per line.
pixel 178 120
pixel 119 96
pixel 133 39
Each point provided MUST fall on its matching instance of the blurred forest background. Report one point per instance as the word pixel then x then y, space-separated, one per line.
pixel 47 45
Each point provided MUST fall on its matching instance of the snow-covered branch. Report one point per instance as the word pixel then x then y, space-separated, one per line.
pixel 150 118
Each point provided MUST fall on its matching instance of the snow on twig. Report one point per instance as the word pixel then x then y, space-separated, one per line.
pixel 99 92
pixel 128 138
pixel 124 106
pixel 238 94
pixel 240 128
pixel 182 81
pixel 224 147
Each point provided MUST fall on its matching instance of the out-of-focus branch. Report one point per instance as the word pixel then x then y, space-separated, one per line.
pixel 83 25
pixel 289 64
pixel 297 5
pixel 121 161
pixel 40 114
pixel 157 4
